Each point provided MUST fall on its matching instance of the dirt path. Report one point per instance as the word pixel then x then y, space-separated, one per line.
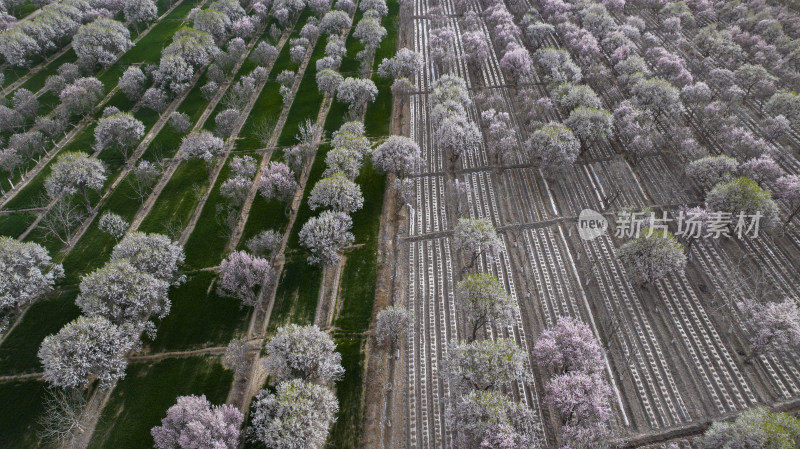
pixel 215 350
pixel 19 377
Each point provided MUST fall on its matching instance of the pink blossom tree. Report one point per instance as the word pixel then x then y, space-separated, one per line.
pixel 568 346
pixel 243 276
pixel 516 61
pixel 581 399
pixel 193 423
pixel 500 135
pixel 763 170
pixel 278 182
pixel 787 188
pixel 476 48
pixel 776 326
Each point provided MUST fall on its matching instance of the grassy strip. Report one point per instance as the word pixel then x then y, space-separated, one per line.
pixel 24 403
pixel 167 142
pixel 267 107
pixel 175 204
pixel 346 431
pixel 298 288
pixel 360 271
pixel 141 400
pixel 94 247
pixel 210 236
pixel 199 318
pixel 15 224
pixel 18 354
pixel 307 100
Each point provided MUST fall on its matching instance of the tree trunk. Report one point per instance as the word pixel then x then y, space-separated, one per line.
pixel 86 199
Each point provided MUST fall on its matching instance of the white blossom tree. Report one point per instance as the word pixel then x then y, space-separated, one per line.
pixel 398 155
pixel 298 415
pixel 265 243
pixel 476 237
pixel 143 178
pixel 590 125
pixel 81 96
pixel 75 172
pixel 391 323
pixel 324 236
pixel 140 11
pixel 26 274
pixel 113 225
pixel 356 92
pixel 556 148
pixel 711 170
pixel 406 63
pixel 742 196
pixel 121 131
pixel 173 73
pixel 334 22
pixel 17 47
pixel 338 193
pixel 202 145
pixel 85 349
pixel 278 182
pixel 473 415
pixel 212 22
pixel 101 40
pixel 124 295
pixel 652 255
pixel 484 301
pixel 155 254
pixel 328 80
pixel 303 352
pixel 485 364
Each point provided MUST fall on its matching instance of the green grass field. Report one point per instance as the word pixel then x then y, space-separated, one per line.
pixel 18 419
pixel 18 353
pixel 141 400
pixel 199 318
